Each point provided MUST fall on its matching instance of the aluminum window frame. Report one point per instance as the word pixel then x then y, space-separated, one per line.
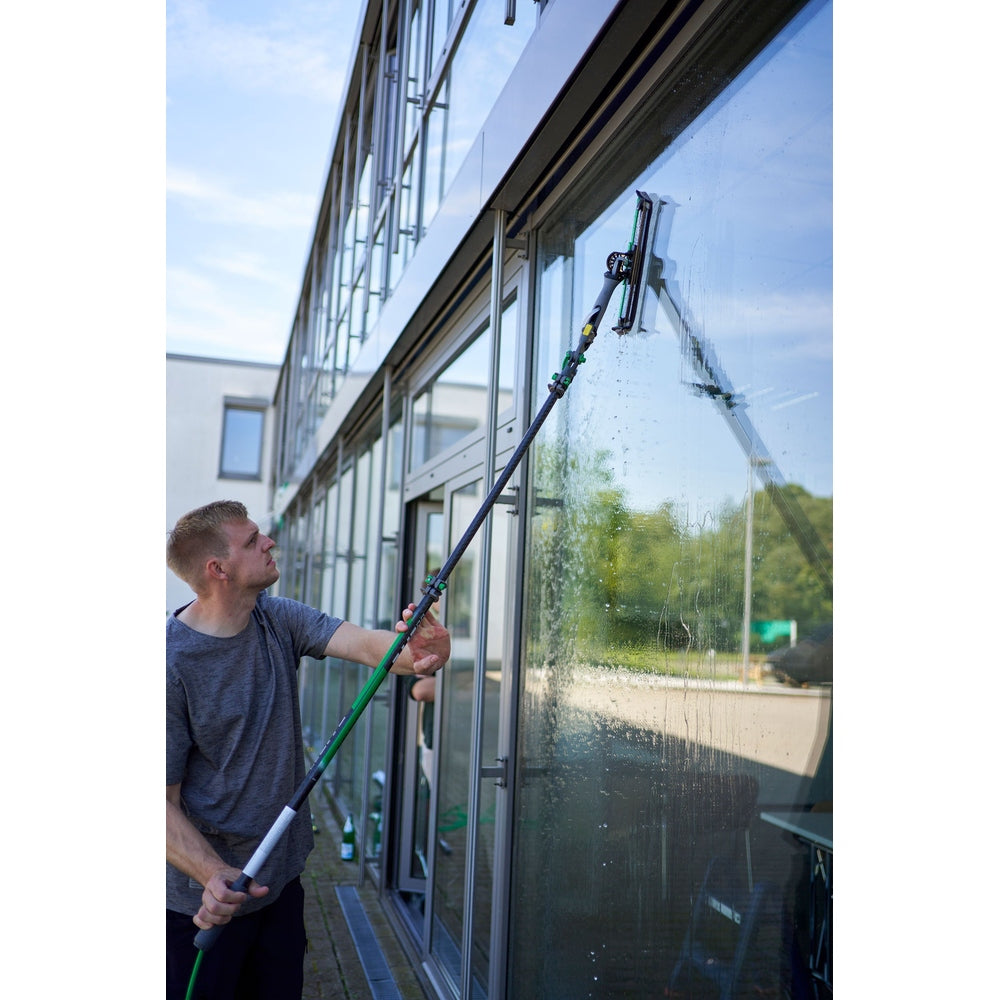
pixel 243 404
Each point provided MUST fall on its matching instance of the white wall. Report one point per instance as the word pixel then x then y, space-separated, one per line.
pixel 196 390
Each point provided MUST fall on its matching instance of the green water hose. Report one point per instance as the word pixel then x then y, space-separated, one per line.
pixel 194 975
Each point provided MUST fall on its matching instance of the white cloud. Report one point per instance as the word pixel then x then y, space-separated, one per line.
pixel 253 89
pixel 287 54
pixel 215 201
pixel 246 264
pixel 207 319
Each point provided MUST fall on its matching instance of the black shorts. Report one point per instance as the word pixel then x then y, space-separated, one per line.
pixel 258 956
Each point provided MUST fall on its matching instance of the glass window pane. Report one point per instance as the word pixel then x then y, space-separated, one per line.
pixel 376 278
pixel 242 440
pixel 417 60
pixel 486 55
pixel 508 347
pixel 434 161
pixel 394 476
pixel 442 22
pixel 680 542
pixel 378 723
pixel 497 629
pixel 364 540
pixel 364 196
pixel 358 302
pixel 407 208
pixel 452 748
pixel 420 727
pixel 328 600
pixel 454 405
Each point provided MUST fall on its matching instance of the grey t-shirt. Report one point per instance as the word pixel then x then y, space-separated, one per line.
pixel 234 739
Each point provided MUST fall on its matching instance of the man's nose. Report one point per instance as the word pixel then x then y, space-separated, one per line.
pixel 269 543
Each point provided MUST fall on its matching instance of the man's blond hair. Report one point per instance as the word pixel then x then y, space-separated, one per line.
pixel 198 536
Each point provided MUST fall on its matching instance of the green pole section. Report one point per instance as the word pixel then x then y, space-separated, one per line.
pixel 361 702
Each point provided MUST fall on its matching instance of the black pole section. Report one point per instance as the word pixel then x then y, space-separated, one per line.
pixel 620 267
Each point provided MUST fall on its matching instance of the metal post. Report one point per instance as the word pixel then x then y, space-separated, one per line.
pixel 748 573
pixel 479 675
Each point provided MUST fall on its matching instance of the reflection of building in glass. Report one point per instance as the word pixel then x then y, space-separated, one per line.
pixel 610 748
pixel 442 416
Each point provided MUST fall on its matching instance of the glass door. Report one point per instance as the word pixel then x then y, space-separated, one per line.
pixel 454 846
pixel 457 719
pixel 453 777
pixel 471 778
pixel 414 846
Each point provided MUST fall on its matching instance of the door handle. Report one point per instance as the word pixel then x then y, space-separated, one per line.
pixel 499 772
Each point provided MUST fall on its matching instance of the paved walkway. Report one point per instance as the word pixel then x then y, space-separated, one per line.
pixel 334 969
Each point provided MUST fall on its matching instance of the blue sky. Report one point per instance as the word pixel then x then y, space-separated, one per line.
pixel 253 90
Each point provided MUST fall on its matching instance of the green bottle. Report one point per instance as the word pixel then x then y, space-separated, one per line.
pixel 347 842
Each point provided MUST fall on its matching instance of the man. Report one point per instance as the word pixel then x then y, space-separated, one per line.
pixel 234 751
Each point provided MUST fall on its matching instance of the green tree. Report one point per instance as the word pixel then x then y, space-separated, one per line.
pixel 609 584
pixel 789 582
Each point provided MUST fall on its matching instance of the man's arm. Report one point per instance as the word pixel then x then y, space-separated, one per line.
pixel 188 851
pixel 426 652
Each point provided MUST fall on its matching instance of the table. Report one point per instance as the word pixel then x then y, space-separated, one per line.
pixel 815 830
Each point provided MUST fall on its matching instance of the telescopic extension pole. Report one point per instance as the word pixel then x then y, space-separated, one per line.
pixel 620 267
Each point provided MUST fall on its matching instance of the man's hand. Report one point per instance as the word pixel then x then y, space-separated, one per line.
pixel 426 652
pixel 219 902
pixel 430 644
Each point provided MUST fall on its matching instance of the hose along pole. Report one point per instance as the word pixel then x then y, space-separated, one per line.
pixel 620 266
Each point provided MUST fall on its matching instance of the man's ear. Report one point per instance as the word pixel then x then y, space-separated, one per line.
pixel 214 570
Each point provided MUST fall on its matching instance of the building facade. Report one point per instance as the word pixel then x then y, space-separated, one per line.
pixel 621 785
pixel 219 423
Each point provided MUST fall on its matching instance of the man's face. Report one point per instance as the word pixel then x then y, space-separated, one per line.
pixel 249 563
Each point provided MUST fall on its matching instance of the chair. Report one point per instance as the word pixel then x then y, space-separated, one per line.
pixel 720 956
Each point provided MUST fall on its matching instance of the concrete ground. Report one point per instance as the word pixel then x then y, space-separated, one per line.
pixel 334 969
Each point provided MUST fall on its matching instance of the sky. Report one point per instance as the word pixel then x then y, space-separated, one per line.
pixel 253 90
